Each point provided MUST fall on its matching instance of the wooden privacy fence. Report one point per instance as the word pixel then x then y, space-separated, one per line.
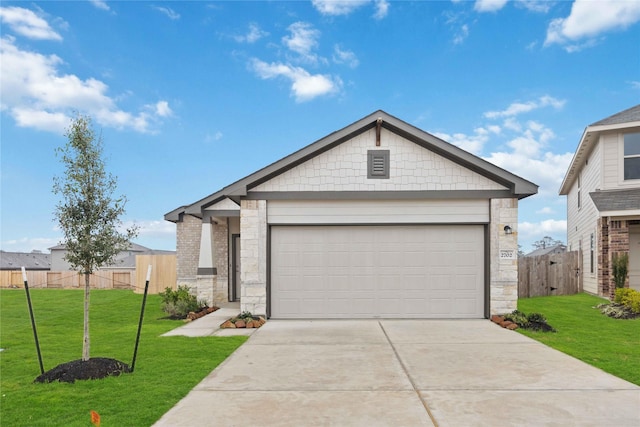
pixel 102 279
pixel 163 275
pixel 553 274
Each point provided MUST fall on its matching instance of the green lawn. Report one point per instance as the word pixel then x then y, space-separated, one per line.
pixel 166 367
pixel 612 345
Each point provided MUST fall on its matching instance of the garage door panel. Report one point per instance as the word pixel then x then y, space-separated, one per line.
pixel 377 271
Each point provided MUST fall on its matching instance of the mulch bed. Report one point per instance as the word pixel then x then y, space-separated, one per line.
pixel 92 369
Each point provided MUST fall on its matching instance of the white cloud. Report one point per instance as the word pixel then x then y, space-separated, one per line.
pixel 338 7
pixel 304 86
pixel 589 19
pixel 382 9
pixel 345 57
pixel 635 85
pixel 541 6
pixel 100 4
pixel 545 211
pixel 537 230
pixel 471 143
pixel 345 7
pixel 254 34
pixel 162 109
pixel 489 5
pixel 461 35
pixel 517 108
pixel 26 23
pixel 303 40
pixel 151 228
pixel 37 95
pixel 28 244
pixel 170 13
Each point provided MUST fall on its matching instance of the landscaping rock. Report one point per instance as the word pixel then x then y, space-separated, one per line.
pixel 240 324
pixel 228 325
pixel 497 319
pixel 512 326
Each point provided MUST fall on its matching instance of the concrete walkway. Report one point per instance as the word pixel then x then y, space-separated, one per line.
pixel 403 373
pixel 209 325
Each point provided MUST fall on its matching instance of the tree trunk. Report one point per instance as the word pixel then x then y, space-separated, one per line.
pixel 85 341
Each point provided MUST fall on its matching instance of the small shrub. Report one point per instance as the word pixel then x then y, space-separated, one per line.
pixel 629 298
pixel 179 303
pixel 517 317
pixel 533 321
pixel 620 265
pixel 615 311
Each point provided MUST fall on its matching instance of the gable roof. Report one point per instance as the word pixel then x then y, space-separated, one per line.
pixel 518 186
pixel 626 119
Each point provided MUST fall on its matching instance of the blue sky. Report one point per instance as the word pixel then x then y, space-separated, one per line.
pixel 191 96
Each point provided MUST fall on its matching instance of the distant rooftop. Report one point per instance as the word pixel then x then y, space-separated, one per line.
pixel 560 247
pixel 35 260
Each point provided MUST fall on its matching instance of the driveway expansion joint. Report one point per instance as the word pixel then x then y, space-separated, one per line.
pixel 406 372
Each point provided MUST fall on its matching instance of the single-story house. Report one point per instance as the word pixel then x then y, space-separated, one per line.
pixel 124 259
pixel 602 185
pixel 376 220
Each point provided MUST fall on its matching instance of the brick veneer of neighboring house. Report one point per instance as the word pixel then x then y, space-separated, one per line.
pixel 613 236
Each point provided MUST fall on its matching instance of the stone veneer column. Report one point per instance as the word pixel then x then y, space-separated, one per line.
pixel 503 283
pixel 253 256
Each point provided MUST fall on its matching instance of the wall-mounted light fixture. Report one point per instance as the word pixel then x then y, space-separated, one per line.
pixel 507 230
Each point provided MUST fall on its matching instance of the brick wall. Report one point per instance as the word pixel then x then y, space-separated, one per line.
pixel 188 248
pixel 614 239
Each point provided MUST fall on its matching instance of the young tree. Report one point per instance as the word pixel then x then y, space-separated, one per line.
pixel 546 242
pixel 87 214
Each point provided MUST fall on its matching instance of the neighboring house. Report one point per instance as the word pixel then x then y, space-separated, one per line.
pixel 602 186
pixel 376 220
pixel 125 259
pixel 554 249
pixel 33 261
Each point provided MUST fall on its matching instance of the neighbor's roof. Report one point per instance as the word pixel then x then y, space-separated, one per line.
pixel 616 200
pixel 30 261
pixel 626 119
pixel 518 186
pixel 560 247
pixel 134 247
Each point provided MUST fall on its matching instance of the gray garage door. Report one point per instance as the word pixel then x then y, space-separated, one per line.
pixel 397 271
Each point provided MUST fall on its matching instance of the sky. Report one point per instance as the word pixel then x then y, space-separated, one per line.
pixel 191 96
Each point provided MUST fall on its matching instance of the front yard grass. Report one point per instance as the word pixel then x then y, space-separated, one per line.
pixel 612 345
pixel 166 369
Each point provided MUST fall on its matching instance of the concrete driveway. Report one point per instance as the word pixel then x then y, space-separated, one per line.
pixel 403 373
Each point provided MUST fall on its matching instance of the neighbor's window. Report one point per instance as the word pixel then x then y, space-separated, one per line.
pixel 632 156
pixel 579 184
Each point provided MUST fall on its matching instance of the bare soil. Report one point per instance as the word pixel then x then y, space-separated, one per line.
pixel 92 369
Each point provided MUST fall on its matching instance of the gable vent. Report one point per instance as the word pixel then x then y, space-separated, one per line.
pixel 378 164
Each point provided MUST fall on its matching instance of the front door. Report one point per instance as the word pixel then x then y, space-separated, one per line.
pixel 634 258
